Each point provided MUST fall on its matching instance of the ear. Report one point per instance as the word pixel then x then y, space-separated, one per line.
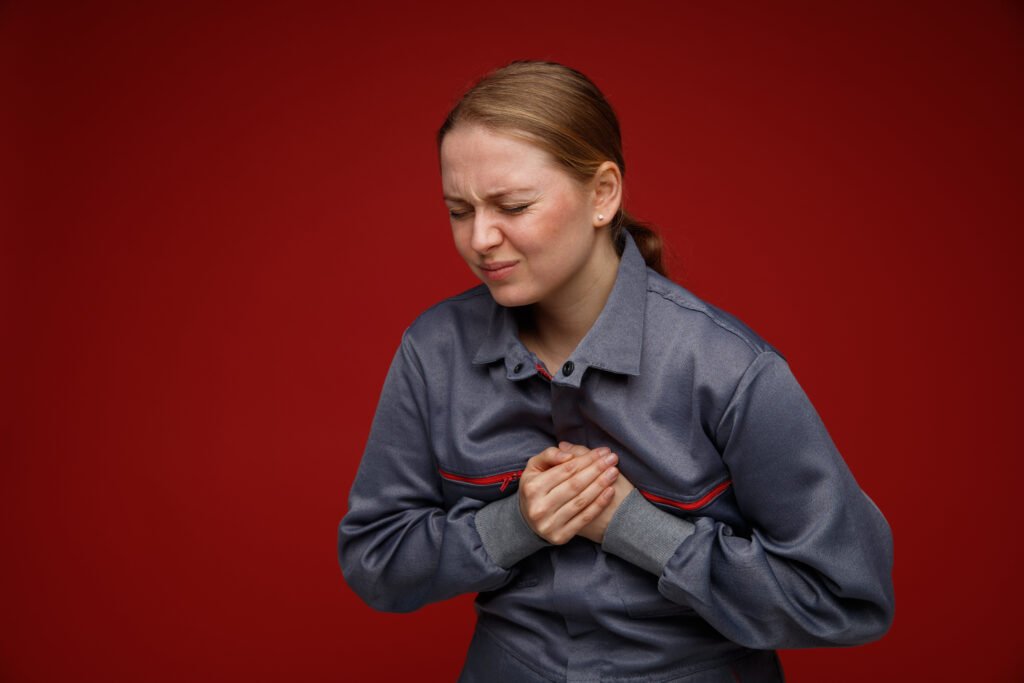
pixel 607 187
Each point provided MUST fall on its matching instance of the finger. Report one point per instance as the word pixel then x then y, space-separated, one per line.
pixel 541 473
pixel 539 483
pixel 560 524
pixel 586 469
pixel 582 501
pixel 540 506
pixel 590 513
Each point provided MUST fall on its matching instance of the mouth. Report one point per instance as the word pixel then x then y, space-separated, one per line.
pixel 497 270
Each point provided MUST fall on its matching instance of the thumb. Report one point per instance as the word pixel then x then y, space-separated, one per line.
pixel 547 459
pixel 575 449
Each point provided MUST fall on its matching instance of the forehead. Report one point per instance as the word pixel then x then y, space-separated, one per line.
pixel 479 160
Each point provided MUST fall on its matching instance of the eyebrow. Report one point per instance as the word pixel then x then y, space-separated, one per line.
pixel 493 195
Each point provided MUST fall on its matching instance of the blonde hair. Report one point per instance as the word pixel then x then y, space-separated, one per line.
pixel 561 111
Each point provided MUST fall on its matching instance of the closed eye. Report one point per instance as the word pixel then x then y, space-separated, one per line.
pixel 457 214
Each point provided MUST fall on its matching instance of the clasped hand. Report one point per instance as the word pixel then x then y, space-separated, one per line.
pixel 571 491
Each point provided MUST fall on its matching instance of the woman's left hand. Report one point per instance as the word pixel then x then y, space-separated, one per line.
pixel 595 530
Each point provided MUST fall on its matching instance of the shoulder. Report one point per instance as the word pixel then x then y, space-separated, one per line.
pixel 465 315
pixel 674 312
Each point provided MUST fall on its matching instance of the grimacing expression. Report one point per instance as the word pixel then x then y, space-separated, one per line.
pixel 521 222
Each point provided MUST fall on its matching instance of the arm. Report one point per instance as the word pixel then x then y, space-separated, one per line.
pixel 399 549
pixel 816 570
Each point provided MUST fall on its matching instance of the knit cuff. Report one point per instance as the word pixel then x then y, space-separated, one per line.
pixel 644 535
pixel 506 536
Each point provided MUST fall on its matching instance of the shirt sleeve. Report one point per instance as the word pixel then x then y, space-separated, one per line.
pixel 398 546
pixel 817 567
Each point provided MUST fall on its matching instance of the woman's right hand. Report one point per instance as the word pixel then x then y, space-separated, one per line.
pixel 560 494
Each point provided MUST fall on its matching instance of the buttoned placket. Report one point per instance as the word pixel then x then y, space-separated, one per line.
pixel 572 565
pixel 615 341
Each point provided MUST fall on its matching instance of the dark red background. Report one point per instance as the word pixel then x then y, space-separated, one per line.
pixel 218 219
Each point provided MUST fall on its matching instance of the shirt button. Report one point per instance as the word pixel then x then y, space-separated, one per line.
pixel 517 368
pixel 568 368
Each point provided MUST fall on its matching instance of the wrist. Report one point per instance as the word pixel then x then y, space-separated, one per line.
pixel 644 535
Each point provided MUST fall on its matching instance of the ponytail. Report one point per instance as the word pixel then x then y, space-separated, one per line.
pixel 647 240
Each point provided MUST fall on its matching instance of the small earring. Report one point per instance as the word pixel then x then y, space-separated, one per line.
pixel 600 216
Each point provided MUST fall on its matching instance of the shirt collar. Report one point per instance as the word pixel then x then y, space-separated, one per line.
pixel 613 343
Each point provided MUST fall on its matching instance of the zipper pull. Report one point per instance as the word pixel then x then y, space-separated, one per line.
pixel 509 478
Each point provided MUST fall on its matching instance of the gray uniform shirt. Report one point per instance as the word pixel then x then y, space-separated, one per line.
pixel 746 530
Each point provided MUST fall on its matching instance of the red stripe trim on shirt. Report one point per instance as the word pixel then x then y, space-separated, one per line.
pixel 699 503
pixel 544 373
pixel 505 478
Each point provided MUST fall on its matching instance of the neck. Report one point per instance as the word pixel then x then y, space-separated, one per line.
pixel 558 324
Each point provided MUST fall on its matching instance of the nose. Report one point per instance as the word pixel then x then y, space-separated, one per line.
pixel 486 232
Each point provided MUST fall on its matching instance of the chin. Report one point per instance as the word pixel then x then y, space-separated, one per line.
pixel 511 297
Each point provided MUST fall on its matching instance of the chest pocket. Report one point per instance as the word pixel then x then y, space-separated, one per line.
pixel 718 503
pixel 502 481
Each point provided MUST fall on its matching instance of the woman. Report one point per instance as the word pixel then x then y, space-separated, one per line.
pixel 631 478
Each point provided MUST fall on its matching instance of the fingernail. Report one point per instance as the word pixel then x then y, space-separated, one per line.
pixel 610 459
pixel 603 450
pixel 610 475
pixel 564 455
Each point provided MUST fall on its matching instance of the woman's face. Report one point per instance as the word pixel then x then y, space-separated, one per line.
pixel 526 227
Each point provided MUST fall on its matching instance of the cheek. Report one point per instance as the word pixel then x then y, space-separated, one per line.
pixel 461 240
pixel 563 226
pixel 572 211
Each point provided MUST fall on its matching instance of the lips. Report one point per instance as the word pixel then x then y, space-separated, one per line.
pixel 498 270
